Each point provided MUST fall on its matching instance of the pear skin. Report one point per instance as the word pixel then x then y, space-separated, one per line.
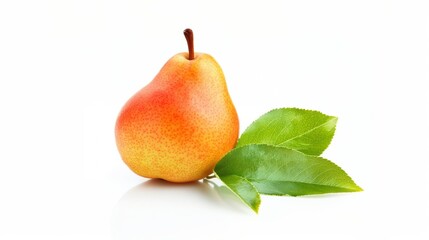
pixel 182 123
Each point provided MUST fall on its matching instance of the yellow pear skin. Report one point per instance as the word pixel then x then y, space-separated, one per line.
pixel 182 123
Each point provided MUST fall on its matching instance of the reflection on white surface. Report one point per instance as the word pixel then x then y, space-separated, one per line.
pixel 157 207
pixel 67 67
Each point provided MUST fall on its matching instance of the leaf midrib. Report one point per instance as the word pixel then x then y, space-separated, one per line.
pixel 251 180
pixel 306 132
pixel 238 195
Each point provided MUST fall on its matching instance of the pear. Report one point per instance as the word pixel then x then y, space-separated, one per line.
pixel 182 123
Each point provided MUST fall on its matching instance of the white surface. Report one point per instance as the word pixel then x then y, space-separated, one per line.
pixel 67 67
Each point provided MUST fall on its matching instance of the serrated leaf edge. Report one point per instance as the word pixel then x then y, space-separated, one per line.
pixel 275 109
pixel 295 108
pixel 358 189
pixel 333 118
pixel 256 209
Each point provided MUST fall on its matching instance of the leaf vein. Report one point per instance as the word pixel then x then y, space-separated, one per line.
pixel 306 132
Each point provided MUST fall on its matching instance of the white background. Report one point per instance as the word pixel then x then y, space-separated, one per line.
pixel 67 67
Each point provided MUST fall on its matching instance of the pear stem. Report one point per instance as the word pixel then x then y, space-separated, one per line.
pixel 189 35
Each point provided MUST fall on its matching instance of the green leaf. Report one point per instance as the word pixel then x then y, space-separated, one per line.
pixel 281 171
pixel 306 131
pixel 244 190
